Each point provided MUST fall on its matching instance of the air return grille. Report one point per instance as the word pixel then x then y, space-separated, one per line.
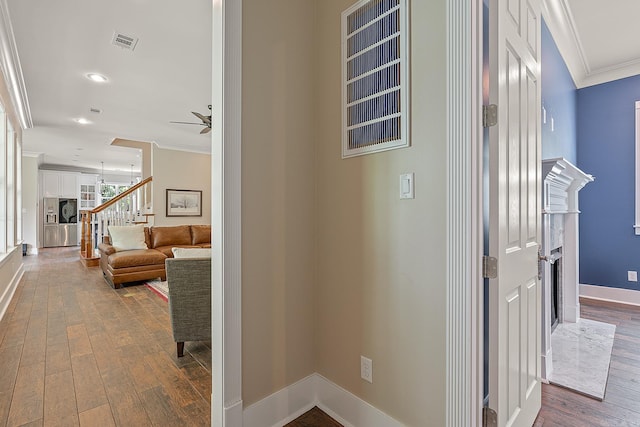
pixel 124 41
pixel 375 77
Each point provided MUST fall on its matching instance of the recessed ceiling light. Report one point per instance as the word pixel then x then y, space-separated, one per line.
pixel 82 121
pixel 99 78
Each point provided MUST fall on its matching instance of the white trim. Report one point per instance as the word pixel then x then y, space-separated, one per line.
pixel 5 299
pixel 559 18
pixel 12 70
pixel 461 240
pixel 289 403
pixel 477 220
pixel 226 190
pixel 604 293
pixel 347 408
pixel 636 226
pixel 283 406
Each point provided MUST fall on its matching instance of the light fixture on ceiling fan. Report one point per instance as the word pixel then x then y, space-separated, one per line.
pixel 206 121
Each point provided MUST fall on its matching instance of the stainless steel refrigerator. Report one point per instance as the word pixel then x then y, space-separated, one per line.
pixel 60 222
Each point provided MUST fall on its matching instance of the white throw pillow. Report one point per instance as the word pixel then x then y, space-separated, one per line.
pixel 127 237
pixel 191 252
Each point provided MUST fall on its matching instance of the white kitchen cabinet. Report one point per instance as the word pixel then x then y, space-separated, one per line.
pixel 59 184
pixel 69 185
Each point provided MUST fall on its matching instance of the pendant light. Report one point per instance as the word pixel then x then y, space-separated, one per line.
pixel 132 174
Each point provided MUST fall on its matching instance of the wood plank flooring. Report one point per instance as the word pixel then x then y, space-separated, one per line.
pixel 621 405
pixel 315 417
pixel 75 352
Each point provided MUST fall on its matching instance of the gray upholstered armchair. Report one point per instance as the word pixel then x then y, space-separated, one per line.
pixel 189 281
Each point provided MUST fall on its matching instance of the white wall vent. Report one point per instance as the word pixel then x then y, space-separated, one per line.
pixel 375 77
pixel 124 41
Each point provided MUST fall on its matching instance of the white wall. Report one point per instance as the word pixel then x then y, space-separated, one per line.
pixel 180 170
pixel 30 203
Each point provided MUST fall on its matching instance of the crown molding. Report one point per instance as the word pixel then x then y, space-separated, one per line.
pixel 558 17
pixel 11 69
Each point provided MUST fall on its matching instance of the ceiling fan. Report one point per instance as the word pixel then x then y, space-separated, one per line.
pixel 206 121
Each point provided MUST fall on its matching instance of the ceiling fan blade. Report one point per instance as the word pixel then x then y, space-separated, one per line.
pixel 205 130
pixel 205 119
pixel 188 123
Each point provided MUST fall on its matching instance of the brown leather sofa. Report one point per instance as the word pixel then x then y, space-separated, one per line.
pixel 145 264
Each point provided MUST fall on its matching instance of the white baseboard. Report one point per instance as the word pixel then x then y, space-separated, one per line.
pixel 347 408
pixel 233 414
pixel 5 299
pixel 547 364
pixel 289 403
pixel 603 293
pixel 283 406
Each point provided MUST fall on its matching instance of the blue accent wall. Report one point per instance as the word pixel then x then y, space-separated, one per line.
pixel 559 100
pixel 606 149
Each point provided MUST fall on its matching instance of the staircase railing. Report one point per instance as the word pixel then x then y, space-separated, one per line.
pixel 130 207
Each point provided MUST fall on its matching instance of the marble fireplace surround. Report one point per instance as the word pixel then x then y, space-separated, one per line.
pixel 560 218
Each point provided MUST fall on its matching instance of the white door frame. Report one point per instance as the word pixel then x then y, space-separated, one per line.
pixel 464 212
pixel 226 218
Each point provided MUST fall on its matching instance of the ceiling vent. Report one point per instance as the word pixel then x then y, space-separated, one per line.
pixel 95 110
pixel 124 41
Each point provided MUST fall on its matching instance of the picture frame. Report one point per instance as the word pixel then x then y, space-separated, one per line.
pixel 184 203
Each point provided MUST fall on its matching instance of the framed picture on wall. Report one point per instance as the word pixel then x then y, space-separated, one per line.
pixel 184 202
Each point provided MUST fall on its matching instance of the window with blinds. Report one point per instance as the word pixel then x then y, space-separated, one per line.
pixel 374 77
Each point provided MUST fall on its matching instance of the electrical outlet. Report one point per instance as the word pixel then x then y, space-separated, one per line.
pixel 632 276
pixel 366 369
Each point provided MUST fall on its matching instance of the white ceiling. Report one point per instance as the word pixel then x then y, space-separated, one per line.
pixel 167 76
pixel 595 37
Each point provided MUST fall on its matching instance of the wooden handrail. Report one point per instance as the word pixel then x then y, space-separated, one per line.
pixel 120 196
pixel 86 242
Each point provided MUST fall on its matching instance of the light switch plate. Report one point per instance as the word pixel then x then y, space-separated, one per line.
pixel 406 186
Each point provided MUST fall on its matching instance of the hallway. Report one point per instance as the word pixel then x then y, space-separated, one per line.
pixel 76 352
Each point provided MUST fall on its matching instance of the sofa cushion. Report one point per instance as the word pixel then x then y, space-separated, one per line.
pixel 200 234
pixel 136 257
pixel 191 252
pixel 127 237
pixel 165 236
pixel 167 250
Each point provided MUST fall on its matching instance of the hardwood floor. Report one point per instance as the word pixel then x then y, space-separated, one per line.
pixel 74 351
pixel 316 417
pixel 621 405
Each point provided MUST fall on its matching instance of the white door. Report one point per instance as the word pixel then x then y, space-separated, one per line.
pixel 514 228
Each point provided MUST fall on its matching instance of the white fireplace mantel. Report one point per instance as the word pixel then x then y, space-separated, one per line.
pixel 562 182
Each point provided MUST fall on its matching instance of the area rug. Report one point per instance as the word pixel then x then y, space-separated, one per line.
pixel 581 356
pixel 159 287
